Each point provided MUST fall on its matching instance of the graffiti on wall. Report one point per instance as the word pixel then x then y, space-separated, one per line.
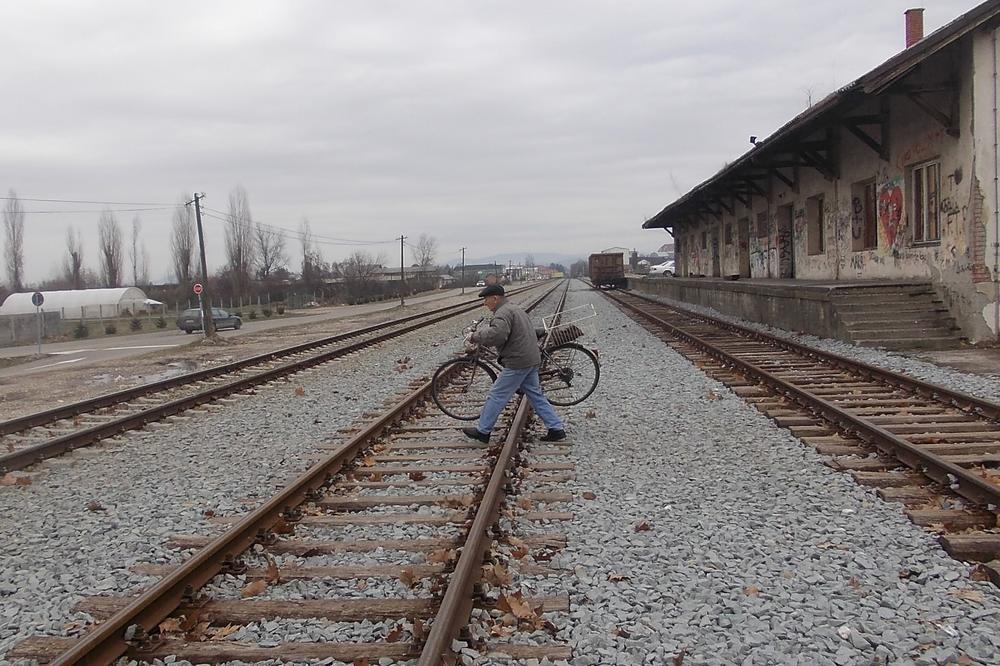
pixel 857 218
pixel 926 146
pixel 890 216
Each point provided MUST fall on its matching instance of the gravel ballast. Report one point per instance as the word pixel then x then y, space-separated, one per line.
pixel 88 516
pixel 755 552
pixel 980 386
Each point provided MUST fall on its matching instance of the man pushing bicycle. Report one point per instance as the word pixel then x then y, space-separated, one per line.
pixel 510 330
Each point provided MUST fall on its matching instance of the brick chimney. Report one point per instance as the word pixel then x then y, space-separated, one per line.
pixel 914 26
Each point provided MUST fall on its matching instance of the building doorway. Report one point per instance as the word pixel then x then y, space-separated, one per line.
pixel 786 242
pixel 716 259
pixel 743 230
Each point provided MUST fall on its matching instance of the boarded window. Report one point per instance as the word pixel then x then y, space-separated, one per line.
pixel 926 180
pixel 729 233
pixel 816 225
pixel 864 216
pixel 762 227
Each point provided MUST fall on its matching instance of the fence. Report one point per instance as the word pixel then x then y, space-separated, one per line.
pixel 21 329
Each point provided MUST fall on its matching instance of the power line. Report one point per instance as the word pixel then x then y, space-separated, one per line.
pixel 292 234
pixel 96 210
pixel 103 203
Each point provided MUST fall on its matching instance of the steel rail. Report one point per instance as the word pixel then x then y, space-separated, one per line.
pixel 117 397
pixel 456 606
pixel 107 641
pixel 961 481
pixel 958 399
pixel 32 454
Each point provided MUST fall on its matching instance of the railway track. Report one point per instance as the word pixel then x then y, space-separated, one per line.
pixel 35 437
pixel 314 560
pixel 931 448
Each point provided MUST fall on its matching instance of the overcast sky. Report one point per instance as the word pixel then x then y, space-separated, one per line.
pixel 506 127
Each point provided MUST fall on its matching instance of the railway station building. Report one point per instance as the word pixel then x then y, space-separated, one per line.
pixel 890 180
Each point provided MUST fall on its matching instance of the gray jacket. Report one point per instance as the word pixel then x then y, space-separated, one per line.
pixel 510 330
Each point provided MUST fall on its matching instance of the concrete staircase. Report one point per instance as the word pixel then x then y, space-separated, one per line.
pixel 900 316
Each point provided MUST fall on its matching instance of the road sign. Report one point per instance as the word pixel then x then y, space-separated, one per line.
pixel 197 287
pixel 37 299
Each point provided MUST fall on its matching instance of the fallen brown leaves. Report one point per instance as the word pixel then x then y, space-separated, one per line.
pixel 15 479
pixel 407 577
pixel 497 574
pixel 751 591
pixel 417 476
pixel 518 612
pixel 442 556
pixel 94 505
pixel 642 526
pixel 968 594
pixel 617 577
pixel 300 391
pixel 587 495
pixel 254 588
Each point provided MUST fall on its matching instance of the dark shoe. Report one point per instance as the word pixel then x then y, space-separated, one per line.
pixel 474 433
pixel 553 435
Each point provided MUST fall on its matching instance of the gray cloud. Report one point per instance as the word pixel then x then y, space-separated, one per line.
pixel 501 126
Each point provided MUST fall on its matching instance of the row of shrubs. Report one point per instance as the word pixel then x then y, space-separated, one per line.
pixel 135 324
pixel 82 330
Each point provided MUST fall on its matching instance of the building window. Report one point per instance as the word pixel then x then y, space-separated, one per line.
pixel 815 225
pixel 926 180
pixel 864 216
pixel 729 233
pixel 704 240
pixel 762 229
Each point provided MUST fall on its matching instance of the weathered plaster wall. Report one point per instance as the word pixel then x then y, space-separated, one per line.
pixel 961 263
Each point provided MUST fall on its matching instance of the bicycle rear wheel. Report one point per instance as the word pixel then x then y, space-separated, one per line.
pixel 460 386
pixel 570 374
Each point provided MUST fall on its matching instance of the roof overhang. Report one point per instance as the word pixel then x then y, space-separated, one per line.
pixel 795 145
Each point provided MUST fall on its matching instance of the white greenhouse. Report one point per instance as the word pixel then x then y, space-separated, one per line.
pixel 82 303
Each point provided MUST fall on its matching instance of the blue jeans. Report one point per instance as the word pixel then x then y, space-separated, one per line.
pixel 509 381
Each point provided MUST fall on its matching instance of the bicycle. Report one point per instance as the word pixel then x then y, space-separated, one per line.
pixel 569 373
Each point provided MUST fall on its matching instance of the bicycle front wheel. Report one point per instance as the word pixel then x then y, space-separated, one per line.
pixel 460 386
pixel 569 374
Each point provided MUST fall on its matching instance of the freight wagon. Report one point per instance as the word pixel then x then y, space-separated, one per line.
pixel 607 270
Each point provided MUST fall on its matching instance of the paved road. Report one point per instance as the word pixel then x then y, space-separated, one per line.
pixel 62 354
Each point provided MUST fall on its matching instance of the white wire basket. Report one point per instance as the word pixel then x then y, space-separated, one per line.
pixel 571 324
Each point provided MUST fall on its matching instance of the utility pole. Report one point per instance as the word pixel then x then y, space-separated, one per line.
pixel 463 270
pixel 207 323
pixel 402 275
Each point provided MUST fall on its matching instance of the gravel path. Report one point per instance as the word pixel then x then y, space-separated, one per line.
pixel 90 515
pixel 755 552
pixel 978 385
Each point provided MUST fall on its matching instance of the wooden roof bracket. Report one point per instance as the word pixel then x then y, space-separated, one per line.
pixel 919 95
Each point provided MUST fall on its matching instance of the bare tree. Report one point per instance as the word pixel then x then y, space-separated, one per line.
pixel 270 250
pixel 239 240
pixel 109 247
pixel 13 227
pixel 138 255
pixel 73 272
pixel 312 260
pixel 425 251
pixel 182 240
pixel 529 261
pixel 359 270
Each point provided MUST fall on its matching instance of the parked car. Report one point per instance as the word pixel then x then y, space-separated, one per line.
pixel 665 269
pixel 190 320
pixel 481 283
